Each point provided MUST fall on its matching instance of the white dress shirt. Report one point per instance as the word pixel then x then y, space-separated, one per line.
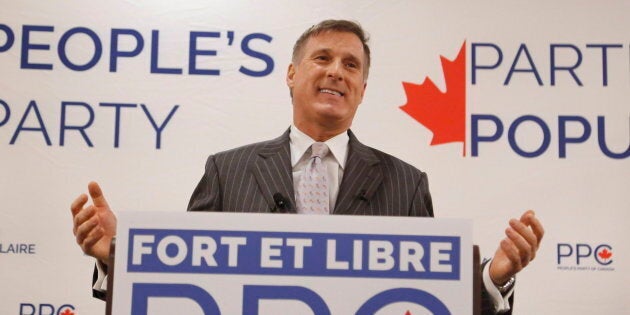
pixel 335 161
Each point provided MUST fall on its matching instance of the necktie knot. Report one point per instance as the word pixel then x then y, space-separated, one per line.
pixel 319 149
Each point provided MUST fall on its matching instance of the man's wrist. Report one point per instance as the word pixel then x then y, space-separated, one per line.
pixel 498 302
pixel 507 286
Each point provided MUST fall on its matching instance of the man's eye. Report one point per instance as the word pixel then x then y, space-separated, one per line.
pixel 352 65
pixel 321 58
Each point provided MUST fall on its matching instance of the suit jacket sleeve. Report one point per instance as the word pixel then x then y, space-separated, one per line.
pixel 207 195
pixel 422 203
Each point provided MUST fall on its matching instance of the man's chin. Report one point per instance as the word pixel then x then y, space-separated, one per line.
pixel 334 120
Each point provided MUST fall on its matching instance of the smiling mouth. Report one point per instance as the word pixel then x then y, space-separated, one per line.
pixel 332 92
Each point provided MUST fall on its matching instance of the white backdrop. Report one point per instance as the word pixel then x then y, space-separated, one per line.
pixel 582 198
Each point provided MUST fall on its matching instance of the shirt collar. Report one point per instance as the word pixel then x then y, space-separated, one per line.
pixel 300 142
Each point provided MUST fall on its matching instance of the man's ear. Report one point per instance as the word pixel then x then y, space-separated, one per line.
pixel 364 87
pixel 290 75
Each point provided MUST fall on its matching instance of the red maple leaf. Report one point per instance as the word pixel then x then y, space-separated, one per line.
pixel 67 312
pixel 408 313
pixel 605 254
pixel 444 113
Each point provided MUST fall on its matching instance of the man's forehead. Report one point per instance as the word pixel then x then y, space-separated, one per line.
pixel 320 38
pixel 322 42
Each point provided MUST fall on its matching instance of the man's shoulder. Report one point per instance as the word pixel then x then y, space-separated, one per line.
pixel 387 161
pixel 391 160
pixel 251 147
pixel 247 151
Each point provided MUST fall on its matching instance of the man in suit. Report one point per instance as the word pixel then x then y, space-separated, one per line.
pixel 327 79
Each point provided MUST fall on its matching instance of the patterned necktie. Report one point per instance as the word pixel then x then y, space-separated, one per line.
pixel 312 191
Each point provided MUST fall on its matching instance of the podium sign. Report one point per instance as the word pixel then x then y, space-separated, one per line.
pixel 269 264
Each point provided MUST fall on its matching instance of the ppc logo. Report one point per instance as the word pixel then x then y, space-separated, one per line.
pixel 46 309
pixel 580 255
pixel 142 293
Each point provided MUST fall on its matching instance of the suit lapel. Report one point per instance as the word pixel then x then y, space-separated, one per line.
pixel 362 177
pixel 272 170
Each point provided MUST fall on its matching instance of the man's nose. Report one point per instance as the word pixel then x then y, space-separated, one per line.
pixel 335 70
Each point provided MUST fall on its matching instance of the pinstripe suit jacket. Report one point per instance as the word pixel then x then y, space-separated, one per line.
pixel 245 179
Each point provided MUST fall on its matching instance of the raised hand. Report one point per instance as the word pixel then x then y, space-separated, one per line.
pixel 518 249
pixel 95 224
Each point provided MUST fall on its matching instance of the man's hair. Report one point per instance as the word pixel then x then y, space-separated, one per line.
pixel 334 26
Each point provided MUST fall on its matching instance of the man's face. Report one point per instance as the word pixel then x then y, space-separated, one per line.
pixel 327 82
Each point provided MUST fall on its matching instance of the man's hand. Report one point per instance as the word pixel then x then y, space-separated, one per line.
pixel 517 249
pixel 94 225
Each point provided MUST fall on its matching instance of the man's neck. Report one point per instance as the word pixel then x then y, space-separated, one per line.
pixel 320 134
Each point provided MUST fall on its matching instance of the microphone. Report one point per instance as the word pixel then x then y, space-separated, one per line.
pixel 282 204
pixel 362 195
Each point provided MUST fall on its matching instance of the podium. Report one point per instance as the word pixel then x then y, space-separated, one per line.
pixel 250 264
